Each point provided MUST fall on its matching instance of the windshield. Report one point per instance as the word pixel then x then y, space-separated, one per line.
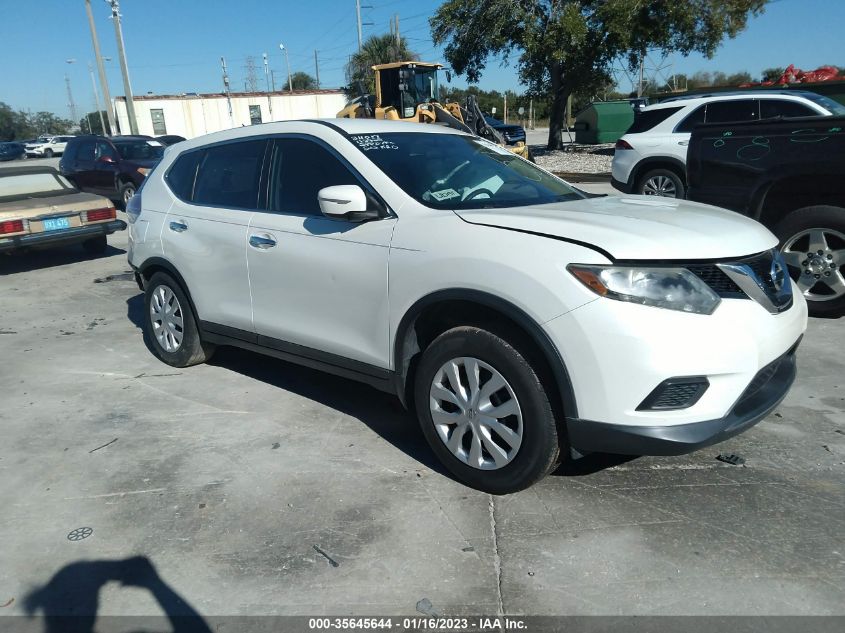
pixel 140 150
pixel 423 86
pixel 826 102
pixel 451 171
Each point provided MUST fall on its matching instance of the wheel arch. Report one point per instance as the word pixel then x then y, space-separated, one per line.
pixel 658 162
pixel 158 264
pixel 776 200
pixel 439 311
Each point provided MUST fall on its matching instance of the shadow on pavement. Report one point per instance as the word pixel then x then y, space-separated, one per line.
pixel 69 601
pixel 382 412
pixel 59 256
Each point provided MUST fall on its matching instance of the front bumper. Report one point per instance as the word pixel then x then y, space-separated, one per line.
pixel 67 236
pixel 766 391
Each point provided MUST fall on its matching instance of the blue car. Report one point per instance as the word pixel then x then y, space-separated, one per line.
pixel 12 151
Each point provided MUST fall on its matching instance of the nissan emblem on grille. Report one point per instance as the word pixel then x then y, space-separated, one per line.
pixel 763 278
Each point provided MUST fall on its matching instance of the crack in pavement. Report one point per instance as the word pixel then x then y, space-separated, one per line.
pixel 497 561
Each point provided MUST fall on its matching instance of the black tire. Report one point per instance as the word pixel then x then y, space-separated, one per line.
pixel 817 217
pixel 676 180
pixel 540 450
pixel 48 153
pixel 127 190
pixel 96 245
pixel 192 349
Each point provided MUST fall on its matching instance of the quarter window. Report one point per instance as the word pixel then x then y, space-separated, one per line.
pixel 298 170
pixel 181 176
pixel 229 175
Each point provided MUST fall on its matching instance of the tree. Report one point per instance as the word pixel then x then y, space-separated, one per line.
pixel 567 46
pixel 772 74
pixel 22 125
pixel 91 123
pixel 303 81
pixel 377 49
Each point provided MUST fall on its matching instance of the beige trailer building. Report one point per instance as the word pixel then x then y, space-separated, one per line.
pixel 193 114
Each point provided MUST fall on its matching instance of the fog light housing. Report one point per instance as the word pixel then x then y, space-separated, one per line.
pixel 675 393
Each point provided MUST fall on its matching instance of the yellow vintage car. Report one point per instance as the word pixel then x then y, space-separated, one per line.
pixel 40 208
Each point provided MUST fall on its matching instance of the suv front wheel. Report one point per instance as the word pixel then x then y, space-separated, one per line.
pixel 661 182
pixel 485 411
pixel 170 324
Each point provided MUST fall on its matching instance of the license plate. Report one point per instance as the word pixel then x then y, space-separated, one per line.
pixel 55 224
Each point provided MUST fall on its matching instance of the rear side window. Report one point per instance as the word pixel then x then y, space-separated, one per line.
pixel 647 119
pixel 771 108
pixel 229 175
pixel 85 150
pixel 181 176
pixel 732 111
pixel 694 118
pixel 299 169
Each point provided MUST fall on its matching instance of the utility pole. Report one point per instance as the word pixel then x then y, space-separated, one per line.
pixel 505 114
pixel 267 72
pixel 121 53
pixel 96 99
pixel 640 83
pixel 396 31
pixel 273 80
pixel 358 7
pixel 226 90
pixel 101 69
pixel 317 68
pixel 287 62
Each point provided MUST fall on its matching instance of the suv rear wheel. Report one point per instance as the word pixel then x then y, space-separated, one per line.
pixel 813 243
pixel 661 182
pixel 485 412
pixel 170 324
pixel 126 192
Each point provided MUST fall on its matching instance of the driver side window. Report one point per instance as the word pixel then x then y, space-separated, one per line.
pixel 298 170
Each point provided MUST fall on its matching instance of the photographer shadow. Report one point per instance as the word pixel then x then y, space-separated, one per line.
pixel 69 601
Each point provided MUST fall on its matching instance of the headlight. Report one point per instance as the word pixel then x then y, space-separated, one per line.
pixel 670 288
pixel 143 170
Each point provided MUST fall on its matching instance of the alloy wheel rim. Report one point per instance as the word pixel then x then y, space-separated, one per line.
pixel 660 186
pixel 815 258
pixel 476 413
pixel 127 194
pixel 167 319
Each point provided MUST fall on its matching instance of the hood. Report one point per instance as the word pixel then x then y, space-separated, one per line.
pixel 509 129
pixel 638 227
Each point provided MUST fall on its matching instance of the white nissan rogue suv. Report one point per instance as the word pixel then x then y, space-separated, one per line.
pixel 525 321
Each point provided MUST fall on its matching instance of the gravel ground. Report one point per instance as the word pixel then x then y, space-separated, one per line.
pixel 582 159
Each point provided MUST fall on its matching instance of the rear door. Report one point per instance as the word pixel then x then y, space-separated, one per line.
pixel 106 167
pixel 319 285
pixel 205 232
pixel 80 167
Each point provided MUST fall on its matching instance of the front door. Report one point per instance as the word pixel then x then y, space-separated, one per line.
pixel 318 284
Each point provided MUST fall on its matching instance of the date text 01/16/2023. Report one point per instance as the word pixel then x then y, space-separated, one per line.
pixel 479 623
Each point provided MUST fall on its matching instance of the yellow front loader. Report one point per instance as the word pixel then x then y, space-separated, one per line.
pixel 408 91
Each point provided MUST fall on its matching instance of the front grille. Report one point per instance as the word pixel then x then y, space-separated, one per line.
pixel 762 267
pixel 675 393
pixel 718 281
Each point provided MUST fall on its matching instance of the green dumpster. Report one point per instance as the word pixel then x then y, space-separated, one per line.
pixel 603 122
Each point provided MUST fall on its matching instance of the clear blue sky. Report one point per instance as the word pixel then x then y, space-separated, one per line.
pixel 175 46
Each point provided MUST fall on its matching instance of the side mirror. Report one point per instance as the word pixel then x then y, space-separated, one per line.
pixel 106 159
pixel 345 202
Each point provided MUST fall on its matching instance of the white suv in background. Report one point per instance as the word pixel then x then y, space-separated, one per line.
pixel 47 148
pixel 651 157
pixel 525 321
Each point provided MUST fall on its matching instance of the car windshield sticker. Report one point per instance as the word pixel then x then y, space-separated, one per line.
pixel 445 194
pixel 368 142
pixel 154 143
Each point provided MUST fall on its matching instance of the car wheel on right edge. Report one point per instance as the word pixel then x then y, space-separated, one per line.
pixel 485 411
pixel 812 240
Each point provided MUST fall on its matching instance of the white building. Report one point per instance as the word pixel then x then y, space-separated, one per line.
pixel 193 114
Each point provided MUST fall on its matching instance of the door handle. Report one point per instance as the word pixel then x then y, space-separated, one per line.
pixel 178 226
pixel 262 242
pixel 683 142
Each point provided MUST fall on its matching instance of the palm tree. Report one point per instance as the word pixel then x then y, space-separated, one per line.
pixel 378 49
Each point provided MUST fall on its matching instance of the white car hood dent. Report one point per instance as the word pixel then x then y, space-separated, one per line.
pixel 637 227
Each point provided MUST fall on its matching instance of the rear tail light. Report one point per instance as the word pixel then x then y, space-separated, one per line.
pixel 11 226
pixel 623 144
pixel 98 215
pixel 133 206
